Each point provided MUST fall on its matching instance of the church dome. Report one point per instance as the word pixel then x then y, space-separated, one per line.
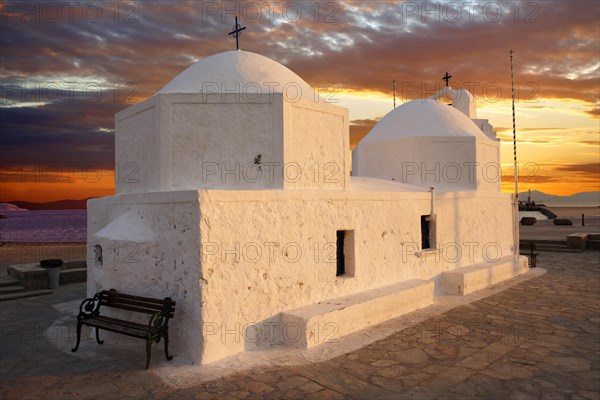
pixel 423 118
pixel 240 72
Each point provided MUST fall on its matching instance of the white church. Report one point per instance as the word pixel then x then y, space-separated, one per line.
pixel 239 198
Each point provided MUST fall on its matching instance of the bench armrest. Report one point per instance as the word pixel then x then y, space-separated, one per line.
pixel 89 307
pixel 158 323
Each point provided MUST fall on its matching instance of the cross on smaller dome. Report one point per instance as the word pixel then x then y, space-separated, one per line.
pixel 446 78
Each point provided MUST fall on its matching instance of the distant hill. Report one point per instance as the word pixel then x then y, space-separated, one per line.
pixel 10 207
pixel 53 205
pixel 577 199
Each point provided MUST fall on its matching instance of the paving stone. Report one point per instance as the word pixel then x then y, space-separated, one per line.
pixel 593 395
pixel 589 375
pixel 395 385
pixel 553 395
pixel 519 395
pixel 270 377
pixel 258 387
pixel 294 394
pixel 325 395
pixel 570 364
pixel 576 397
pixel 511 370
pixel 413 356
pixel 455 374
pixel 27 392
pixel 482 382
pixel 450 350
pixel 395 371
pixel 474 363
pixel 465 389
pixel 360 369
pixel 292 382
pixel 310 387
pixel 434 369
pixel 495 374
pixel 383 363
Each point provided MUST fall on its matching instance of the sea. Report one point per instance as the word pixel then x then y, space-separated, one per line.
pixel 44 226
pixel 70 226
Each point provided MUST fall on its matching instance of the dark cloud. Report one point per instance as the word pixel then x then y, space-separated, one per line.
pixel 588 169
pixel 590 142
pixel 594 112
pixel 360 46
pixel 62 132
pixel 532 178
pixel 507 136
pixel 583 173
pixel 504 129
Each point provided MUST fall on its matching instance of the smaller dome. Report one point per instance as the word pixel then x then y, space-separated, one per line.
pixel 423 118
pixel 240 72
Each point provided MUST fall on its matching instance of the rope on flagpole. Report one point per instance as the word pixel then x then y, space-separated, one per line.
pixel 516 165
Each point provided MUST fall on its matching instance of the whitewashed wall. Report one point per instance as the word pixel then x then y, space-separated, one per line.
pixel 191 141
pixel 230 258
pixel 252 270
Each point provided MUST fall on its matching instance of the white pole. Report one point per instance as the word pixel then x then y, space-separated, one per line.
pixel 394 85
pixel 516 165
pixel 432 206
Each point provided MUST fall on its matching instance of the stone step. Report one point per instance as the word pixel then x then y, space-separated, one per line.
pixel 75 264
pixel 465 280
pixel 557 250
pixel 526 242
pixel 550 247
pixel 332 319
pixel 34 277
pixel 7 280
pixel 73 275
pixel 23 295
pixel 577 241
pixel 31 275
pixel 558 247
pixel 593 244
pixel 11 289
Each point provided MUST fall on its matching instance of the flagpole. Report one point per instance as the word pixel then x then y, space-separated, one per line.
pixel 394 86
pixel 516 165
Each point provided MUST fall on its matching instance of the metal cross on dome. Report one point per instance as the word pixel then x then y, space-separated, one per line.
pixel 446 78
pixel 237 29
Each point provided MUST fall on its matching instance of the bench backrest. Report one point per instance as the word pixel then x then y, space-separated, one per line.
pixel 146 305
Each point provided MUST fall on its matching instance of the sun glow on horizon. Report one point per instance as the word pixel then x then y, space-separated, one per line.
pixel 41 185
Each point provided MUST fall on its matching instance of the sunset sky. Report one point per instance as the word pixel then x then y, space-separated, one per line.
pixel 67 67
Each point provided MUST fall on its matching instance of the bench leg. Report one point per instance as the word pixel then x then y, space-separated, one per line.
pixel 148 352
pixel 74 349
pixel 98 336
pixel 166 339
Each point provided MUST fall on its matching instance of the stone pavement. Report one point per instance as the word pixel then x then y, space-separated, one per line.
pixel 538 339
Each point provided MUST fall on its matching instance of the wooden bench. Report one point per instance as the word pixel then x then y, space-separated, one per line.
pixel 158 325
